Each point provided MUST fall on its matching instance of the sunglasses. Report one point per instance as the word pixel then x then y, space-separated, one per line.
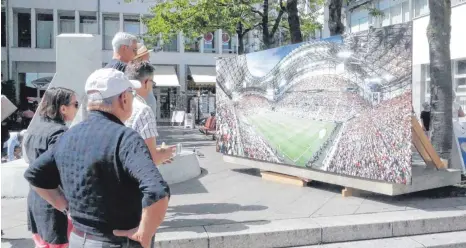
pixel 76 104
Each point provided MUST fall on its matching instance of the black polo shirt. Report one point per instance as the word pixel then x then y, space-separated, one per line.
pixel 106 171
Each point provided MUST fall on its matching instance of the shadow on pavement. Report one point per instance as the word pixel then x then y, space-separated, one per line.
pixel 17 243
pixel 176 220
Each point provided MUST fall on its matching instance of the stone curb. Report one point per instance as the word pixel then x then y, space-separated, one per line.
pixel 312 231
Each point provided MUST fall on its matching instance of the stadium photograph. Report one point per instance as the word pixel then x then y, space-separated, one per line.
pixel 341 105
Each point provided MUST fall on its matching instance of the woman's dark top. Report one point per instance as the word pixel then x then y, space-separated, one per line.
pixel 43 218
pixel 425 117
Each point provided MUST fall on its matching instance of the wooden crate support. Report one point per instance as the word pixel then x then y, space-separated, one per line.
pixel 282 178
pixel 424 147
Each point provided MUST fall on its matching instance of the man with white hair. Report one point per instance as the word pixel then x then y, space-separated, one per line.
pixel 124 50
pixel 115 195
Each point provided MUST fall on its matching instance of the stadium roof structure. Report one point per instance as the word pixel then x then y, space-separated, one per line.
pixel 381 56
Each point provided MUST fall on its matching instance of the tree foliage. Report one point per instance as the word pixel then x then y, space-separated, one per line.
pixel 194 18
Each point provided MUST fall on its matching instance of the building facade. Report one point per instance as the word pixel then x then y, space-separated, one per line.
pixel 184 68
pixel 357 18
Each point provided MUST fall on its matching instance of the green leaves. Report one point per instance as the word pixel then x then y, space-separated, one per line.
pixel 197 17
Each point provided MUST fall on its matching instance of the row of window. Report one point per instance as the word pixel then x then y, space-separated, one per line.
pixel 394 12
pixel 88 24
pixel 459 77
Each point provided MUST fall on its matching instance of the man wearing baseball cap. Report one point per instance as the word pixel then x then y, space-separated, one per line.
pixel 114 194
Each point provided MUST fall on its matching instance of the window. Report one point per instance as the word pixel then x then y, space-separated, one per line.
pixel 24 30
pixel 66 24
pixel 460 76
pixel 359 20
pixel 229 43
pixel 426 72
pixel 386 18
pixel 3 29
pixel 209 42
pixel 88 25
pixel 421 7
pixel 406 12
pixel 111 27
pixel 44 31
pixel 461 67
pixel 172 45
pixel 395 14
pixel 191 45
pixel 131 25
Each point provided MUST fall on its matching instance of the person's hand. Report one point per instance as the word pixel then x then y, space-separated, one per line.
pixel 166 154
pixel 133 234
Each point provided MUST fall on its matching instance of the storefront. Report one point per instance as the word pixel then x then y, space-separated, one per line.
pixel 166 91
pixel 201 90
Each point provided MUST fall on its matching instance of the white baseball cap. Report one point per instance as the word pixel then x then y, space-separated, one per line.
pixel 109 82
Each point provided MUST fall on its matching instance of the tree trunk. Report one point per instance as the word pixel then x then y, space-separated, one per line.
pixel 239 32
pixel 335 25
pixel 265 24
pixel 293 21
pixel 438 35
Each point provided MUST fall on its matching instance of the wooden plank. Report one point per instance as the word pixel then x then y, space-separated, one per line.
pixel 282 178
pixel 424 140
pixel 420 148
pixel 347 192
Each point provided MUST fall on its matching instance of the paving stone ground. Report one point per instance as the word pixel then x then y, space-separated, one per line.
pixel 229 193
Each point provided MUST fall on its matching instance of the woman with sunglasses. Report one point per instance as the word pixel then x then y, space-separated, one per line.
pixel 58 108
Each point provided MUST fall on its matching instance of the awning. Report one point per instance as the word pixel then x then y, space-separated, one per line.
pixel 203 75
pixel 165 76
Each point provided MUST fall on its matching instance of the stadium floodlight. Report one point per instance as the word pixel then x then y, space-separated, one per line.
pixel 388 77
pixel 344 54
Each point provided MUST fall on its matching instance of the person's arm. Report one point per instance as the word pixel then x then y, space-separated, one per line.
pixel 137 161
pixel 44 178
pixel 146 125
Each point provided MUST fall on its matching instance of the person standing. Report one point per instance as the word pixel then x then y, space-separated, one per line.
pixel 124 50
pixel 425 117
pixel 114 194
pixel 13 143
pixel 143 54
pixel 142 118
pixel 50 227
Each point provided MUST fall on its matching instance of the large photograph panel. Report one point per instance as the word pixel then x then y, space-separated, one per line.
pixel 341 105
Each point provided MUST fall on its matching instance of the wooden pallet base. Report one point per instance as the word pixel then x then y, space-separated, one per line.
pixel 282 178
pixel 347 192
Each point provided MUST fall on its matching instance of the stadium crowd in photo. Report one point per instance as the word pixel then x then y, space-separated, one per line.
pixel 341 105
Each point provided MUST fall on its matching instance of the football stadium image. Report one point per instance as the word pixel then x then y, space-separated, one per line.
pixel 341 105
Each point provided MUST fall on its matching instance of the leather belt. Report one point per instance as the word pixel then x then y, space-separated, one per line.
pixel 112 239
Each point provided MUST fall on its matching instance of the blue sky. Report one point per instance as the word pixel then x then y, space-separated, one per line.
pixel 260 63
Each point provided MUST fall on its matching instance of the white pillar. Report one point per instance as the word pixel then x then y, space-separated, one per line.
pixel 77 20
pixel 182 77
pixel 201 45
pixel 141 25
pixel 11 28
pixel 218 41
pixel 56 22
pixel 180 42
pixel 122 21
pixel 33 27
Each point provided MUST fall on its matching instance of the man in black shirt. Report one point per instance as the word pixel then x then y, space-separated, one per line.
pixel 114 192
pixel 425 117
pixel 124 50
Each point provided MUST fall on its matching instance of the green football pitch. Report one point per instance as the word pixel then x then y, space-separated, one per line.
pixel 295 139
